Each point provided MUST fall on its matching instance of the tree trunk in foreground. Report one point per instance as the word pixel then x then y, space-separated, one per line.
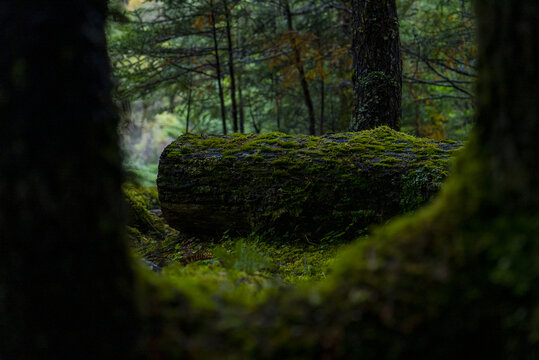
pixel 377 65
pixel 508 100
pixel 66 286
pixel 300 185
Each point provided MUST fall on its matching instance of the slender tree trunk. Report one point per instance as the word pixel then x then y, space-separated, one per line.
pixel 417 124
pixel 189 99
pixel 218 67
pixel 301 70
pixel 256 126
pixel 377 65
pixel 508 99
pixel 322 105
pixel 66 284
pixel 275 85
pixel 172 102
pixel 332 115
pixel 231 68
pixel 278 110
pixel 276 94
pixel 241 105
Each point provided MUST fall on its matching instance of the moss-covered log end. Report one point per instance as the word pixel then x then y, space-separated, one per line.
pixel 301 186
pixel 148 234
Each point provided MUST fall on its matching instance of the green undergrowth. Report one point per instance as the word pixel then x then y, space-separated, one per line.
pixel 147 232
pixel 248 270
pixel 456 279
pixel 245 268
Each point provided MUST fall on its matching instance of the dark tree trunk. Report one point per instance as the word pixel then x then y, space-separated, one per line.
pixel 241 105
pixel 189 100
pixel 508 99
pixel 231 68
pixel 301 71
pixel 377 65
pixel 322 104
pixel 66 285
pixel 274 90
pixel 218 67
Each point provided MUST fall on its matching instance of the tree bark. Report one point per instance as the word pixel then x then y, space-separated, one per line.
pixel 508 100
pixel 211 184
pixel 66 285
pixel 377 65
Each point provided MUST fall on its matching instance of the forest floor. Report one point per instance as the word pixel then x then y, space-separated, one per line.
pixel 241 267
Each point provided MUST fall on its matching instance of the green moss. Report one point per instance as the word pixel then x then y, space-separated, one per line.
pixel 456 277
pixel 284 183
pixel 152 238
pixel 280 173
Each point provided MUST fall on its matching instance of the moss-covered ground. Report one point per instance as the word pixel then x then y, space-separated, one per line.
pixel 457 279
pixel 241 267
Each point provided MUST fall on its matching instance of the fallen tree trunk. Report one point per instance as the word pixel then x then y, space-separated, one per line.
pixel 297 186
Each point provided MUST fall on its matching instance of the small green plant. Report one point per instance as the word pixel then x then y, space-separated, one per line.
pixel 244 257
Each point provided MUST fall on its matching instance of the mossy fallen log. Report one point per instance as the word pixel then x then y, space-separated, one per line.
pixel 299 186
pixel 147 232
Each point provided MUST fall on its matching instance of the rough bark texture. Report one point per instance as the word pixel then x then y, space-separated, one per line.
pixel 300 185
pixel 66 288
pixel 377 65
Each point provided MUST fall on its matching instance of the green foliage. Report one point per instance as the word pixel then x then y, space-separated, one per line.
pixel 439 67
pixel 165 67
pixel 243 257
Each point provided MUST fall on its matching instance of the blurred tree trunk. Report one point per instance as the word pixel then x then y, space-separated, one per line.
pixel 377 65
pixel 508 99
pixel 66 285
